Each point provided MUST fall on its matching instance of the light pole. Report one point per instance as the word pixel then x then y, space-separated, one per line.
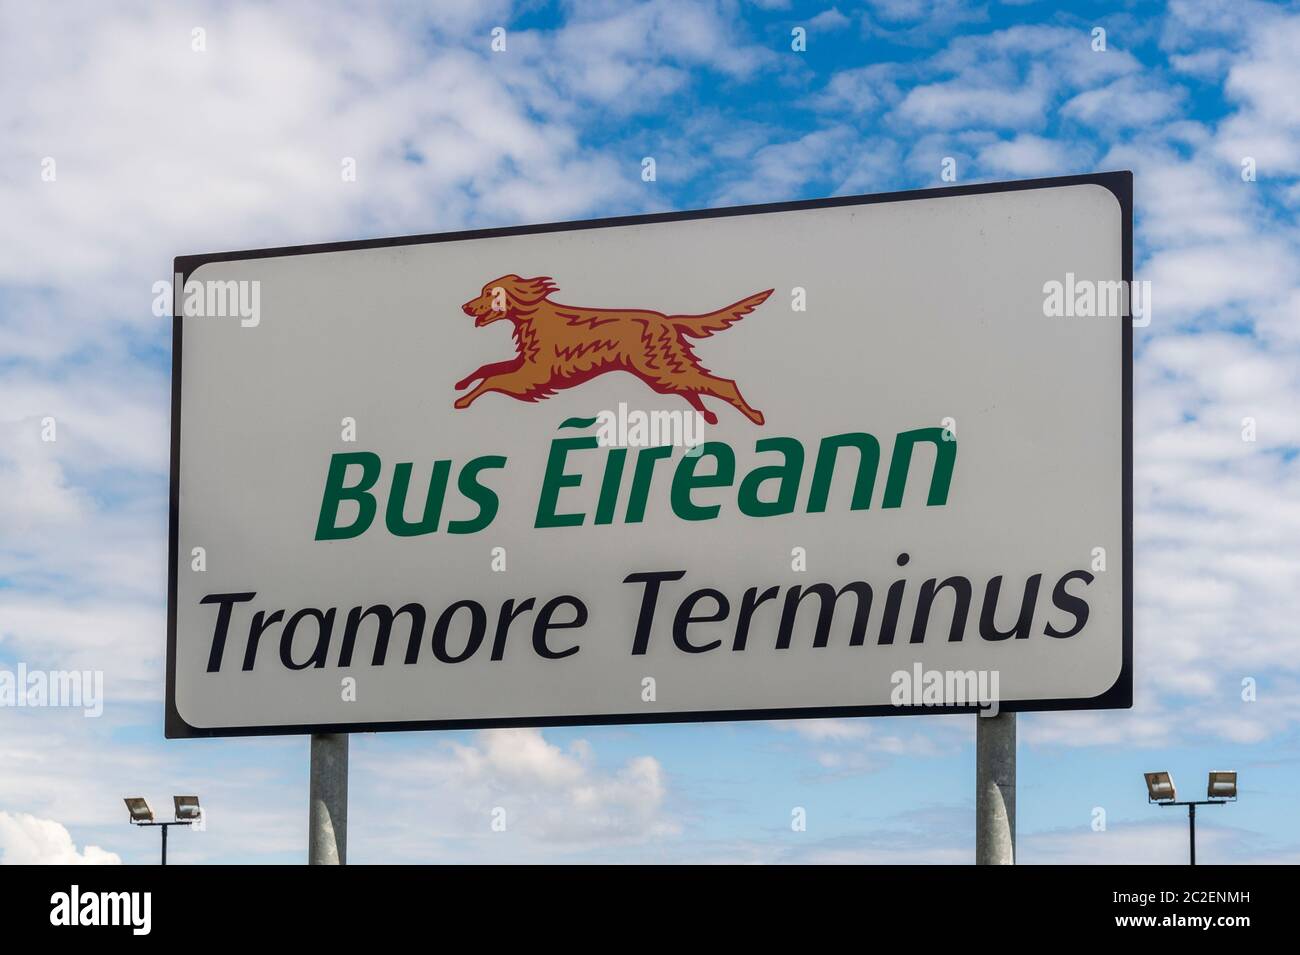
pixel 1222 784
pixel 186 813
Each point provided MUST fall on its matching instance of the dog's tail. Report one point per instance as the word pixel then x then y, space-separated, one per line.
pixel 702 326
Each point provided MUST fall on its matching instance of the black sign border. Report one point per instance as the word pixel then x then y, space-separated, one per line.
pixel 1119 696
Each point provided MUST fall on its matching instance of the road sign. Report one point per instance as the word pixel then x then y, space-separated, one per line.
pixel 858 456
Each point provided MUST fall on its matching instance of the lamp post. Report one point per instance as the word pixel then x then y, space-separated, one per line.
pixel 1222 784
pixel 186 813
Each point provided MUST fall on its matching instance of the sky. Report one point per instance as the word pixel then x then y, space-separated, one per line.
pixel 134 132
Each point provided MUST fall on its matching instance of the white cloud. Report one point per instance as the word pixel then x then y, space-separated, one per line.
pixel 548 798
pixel 829 19
pixel 123 640
pixel 1205 64
pixel 1029 155
pixel 1008 79
pixel 955 103
pixel 781 170
pixel 1128 102
pixel 248 138
pixel 1264 82
pixel 819 730
pixel 625 57
pixel 844 748
pixel 27 840
pixel 38 489
pixel 858 90
pixel 917 21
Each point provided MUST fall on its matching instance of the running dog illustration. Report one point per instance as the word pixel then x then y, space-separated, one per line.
pixel 559 346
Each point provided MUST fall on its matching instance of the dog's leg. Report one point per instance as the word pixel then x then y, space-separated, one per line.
pixel 517 384
pixel 690 385
pixel 726 389
pixel 487 371
pixel 693 399
pixel 465 400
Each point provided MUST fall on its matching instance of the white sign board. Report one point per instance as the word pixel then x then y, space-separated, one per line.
pixel 828 458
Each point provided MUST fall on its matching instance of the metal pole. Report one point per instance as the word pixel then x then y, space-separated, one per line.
pixel 327 824
pixel 1191 828
pixel 164 857
pixel 995 789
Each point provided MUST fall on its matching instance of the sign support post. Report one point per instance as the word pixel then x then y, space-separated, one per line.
pixel 327 824
pixel 995 789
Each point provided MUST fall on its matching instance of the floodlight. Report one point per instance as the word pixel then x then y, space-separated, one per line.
pixel 1222 784
pixel 187 808
pixel 1160 787
pixel 1221 788
pixel 139 809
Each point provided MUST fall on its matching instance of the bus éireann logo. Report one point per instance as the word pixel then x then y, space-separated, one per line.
pixel 560 346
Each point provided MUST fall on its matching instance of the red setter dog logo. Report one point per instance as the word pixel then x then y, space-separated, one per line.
pixel 559 346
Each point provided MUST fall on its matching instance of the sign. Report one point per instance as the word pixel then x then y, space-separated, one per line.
pixel 859 456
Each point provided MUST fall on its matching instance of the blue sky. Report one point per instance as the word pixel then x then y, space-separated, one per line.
pixel 159 149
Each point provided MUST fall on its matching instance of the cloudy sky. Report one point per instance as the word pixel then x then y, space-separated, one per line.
pixel 126 138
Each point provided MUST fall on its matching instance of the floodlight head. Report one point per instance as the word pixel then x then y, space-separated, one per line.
pixel 187 808
pixel 139 809
pixel 1160 787
pixel 1222 784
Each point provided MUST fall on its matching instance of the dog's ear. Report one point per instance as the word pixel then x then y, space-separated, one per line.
pixel 528 292
pixel 507 282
